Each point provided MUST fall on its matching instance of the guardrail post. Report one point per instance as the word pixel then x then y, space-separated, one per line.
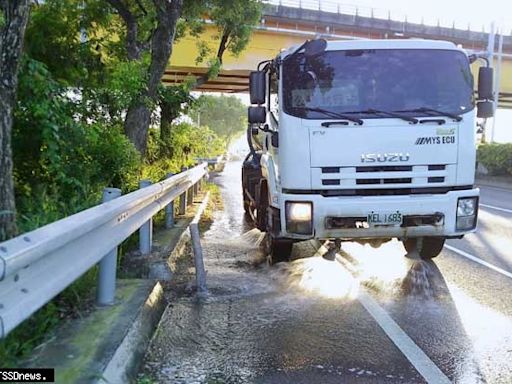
pixel 190 195
pixel 183 198
pixel 146 230
pixel 108 265
pixel 169 211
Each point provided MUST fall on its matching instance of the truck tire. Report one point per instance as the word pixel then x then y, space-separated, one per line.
pixel 247 204
pixel 277 250
pixel 432 246
pixel 262 208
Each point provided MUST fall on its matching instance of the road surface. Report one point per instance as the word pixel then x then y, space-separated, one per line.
pixel 372 316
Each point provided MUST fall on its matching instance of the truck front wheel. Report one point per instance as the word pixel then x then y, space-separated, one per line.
pixel 431 246
pixel 277 250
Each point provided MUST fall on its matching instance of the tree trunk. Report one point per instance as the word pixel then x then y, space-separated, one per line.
pixel 168 112
pixel 167 115
pixel 226 34
pixel 14 21
pixel 138 118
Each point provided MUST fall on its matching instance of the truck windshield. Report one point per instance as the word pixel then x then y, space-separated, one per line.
pixel 391 80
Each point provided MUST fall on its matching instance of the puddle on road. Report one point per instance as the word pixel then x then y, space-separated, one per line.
pixel 294 322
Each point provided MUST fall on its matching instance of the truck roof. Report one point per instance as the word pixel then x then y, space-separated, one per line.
pixel 334 45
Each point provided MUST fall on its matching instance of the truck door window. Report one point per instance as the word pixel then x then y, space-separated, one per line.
pixel 273 100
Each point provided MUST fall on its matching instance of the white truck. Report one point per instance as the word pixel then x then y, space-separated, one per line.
pixel 365 140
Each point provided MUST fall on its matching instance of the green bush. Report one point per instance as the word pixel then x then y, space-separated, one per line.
pixel 61 162
pixel 497 158
pixel 185 144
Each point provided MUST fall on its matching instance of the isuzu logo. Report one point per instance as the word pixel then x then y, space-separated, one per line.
pixel 393 157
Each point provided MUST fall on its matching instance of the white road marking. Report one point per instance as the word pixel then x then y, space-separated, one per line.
pixel 426 367
pixel 496 208
pixel 478 260
pixel 421 362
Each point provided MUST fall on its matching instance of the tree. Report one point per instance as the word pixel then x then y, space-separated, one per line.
pixel 235 20
pixel 173 101
pixel 13 21
pixel 224 115
pixel 167 13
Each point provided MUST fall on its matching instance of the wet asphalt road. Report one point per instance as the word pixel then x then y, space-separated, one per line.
pixel 373 316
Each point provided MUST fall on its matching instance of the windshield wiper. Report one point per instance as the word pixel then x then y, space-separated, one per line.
pixel 435 112
pixel 389 113
pixel 334 114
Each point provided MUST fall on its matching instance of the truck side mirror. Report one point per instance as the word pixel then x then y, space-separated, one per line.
pixel 257 115
pixel 485 109
pixel 257 87
pixel 485 83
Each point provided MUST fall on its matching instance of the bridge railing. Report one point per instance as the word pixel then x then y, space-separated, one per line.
pixel 372 12
pixel 36 266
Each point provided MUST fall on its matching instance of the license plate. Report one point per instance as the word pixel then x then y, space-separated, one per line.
pixel 384 218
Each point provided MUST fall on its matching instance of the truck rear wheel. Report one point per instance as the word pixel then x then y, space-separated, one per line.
pixel 431 247
pixel 277 250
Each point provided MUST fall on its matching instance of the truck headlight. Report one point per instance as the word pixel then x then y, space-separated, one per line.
pixel 467 208
pixel 299 217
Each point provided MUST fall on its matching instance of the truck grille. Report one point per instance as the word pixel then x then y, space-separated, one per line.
pixel 383 176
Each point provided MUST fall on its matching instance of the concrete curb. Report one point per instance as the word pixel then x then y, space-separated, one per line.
pixel 178 250
pixel 124 364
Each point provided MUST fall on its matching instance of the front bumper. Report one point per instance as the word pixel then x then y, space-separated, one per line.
pixel 436 205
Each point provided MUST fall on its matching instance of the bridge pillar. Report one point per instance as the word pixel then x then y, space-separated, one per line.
pixel 146 230
pixel 105 294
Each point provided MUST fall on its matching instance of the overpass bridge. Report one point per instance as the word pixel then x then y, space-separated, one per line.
pixel 286 23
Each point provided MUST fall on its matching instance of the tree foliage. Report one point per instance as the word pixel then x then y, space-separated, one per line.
pixel 61 162
pixel 224 115
pixel 497 158
pixel 76 85
pixel 234 20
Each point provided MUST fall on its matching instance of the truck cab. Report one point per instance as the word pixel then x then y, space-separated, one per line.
pixel 365 140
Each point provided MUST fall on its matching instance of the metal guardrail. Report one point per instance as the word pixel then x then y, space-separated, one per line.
pixel 36 266
pixel 212 161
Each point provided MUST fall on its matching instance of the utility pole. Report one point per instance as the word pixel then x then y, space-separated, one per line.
pixel 490 57
pixel 497 81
